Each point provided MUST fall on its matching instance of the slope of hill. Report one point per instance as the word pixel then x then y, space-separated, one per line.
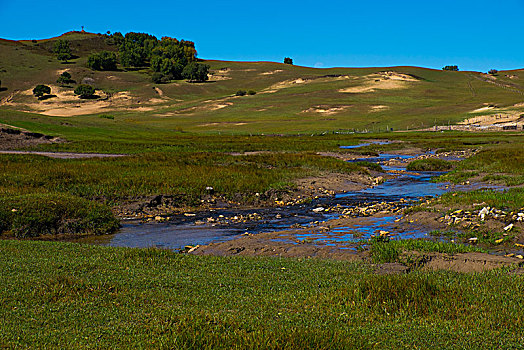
pixel 288 99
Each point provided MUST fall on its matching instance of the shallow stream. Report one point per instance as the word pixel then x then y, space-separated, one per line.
pixel 206 227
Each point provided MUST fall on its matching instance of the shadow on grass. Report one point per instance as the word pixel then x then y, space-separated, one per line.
pixel 46 97
pixel 92 97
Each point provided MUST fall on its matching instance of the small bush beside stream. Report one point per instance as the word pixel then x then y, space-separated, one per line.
pixel 34 215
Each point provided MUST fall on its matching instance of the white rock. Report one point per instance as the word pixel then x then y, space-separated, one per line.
pixel 318 210
pixel 193 249
pixel 483 213
pixel 508 228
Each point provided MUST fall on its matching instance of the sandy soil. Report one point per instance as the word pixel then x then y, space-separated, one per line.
pixel 66 104
pixel 381 81
pixel 209 105
pixel 501 119
pixel 326 110
pixel 378 108
pixel 223 123
pixel 272 72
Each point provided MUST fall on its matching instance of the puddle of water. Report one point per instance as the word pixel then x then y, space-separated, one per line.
pixel 169 236
pixel 364 231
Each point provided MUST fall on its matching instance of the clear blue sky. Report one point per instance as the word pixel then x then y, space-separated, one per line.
pixel 475 35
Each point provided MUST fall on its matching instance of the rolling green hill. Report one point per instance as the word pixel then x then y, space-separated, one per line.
pixel 289 99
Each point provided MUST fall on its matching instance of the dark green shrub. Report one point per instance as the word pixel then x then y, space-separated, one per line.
pixel 84 91
pixel 493 71
pixel 451 68
pixel 195 72
pixel 241 93
pixel 65 78
pixel 167 66
pixel 63 50
pixel 107 116
pixel 41 90
pixel 251 92
pixel 104 60
pixel 34 215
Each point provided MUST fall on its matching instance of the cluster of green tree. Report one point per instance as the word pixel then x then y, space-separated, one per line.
pixel 288 60
pixel 103 60
pixel 493 71
pixel 452 68
pixel 169 58
pixel 63 50
pixel 193 72
pixel 114 39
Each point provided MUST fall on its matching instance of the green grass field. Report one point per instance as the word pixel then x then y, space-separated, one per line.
pixel 58 295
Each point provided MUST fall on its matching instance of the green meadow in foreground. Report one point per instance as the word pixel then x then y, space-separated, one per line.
pixel 61 295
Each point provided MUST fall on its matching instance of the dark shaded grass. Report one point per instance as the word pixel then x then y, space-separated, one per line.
pixel 183 174
pixel 63 295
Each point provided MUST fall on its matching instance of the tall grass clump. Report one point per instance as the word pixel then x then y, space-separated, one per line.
pixel 34 215
pixel 430 164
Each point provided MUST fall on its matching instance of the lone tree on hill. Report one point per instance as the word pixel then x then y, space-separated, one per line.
pixel 195 72
pixel 40 90
pixel 288 60
pixel 452 68
pixel 63 51
pixel 84 91
pixel 64 78
pixel 493 71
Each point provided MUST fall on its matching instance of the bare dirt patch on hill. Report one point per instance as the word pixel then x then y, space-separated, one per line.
pixel 326 110
pixel 382 81
pixel 64 103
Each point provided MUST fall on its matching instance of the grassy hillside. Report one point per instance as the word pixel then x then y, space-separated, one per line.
pixel 289 99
